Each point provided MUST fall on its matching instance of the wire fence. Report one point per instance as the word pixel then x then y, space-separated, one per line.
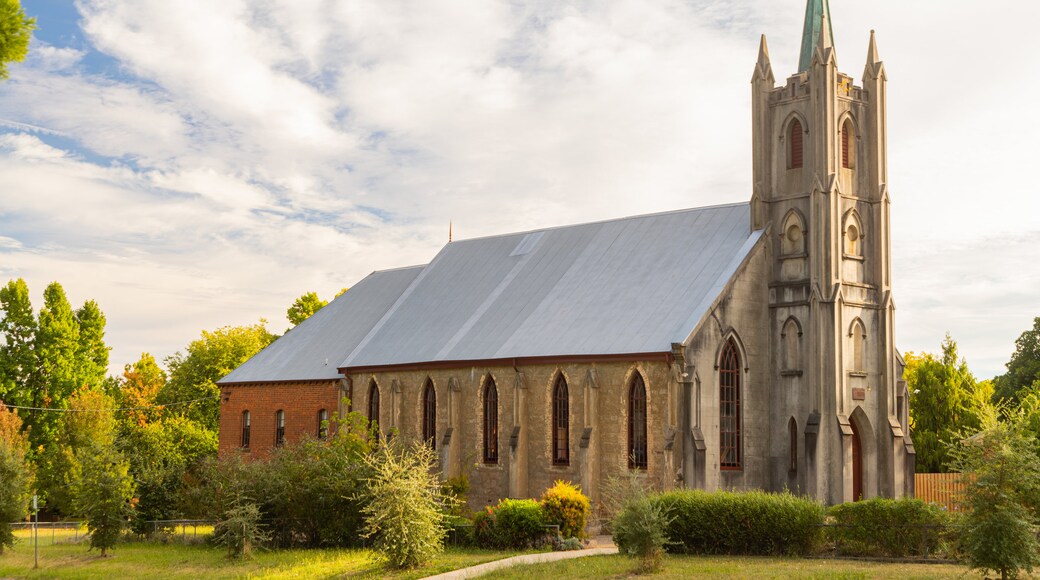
pixel 51 533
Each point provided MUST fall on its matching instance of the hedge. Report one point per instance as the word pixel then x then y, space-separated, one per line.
pixel 741 523
pixel 894 528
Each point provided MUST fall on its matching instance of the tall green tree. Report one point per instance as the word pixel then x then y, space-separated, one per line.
pixel 16 475
pixel 304 307
pixel 104 494
pixel 92 425
pixel 18 333
pixel 945 400
pixel 56 346
pixel 15 32
pixel 1023 370
pixel 193 375
pixel 91 350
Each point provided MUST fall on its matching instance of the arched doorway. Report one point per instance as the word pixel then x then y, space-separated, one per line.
pixel 857 465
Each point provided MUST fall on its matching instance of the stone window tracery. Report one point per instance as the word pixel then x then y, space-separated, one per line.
pixel 729 408
pixel 637 439
pixel 560 423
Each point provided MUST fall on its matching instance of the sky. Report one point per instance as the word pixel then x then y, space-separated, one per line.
pixel 196 164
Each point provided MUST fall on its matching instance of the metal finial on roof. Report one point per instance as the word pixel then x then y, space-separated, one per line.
pixel 817 28
pixel 449 231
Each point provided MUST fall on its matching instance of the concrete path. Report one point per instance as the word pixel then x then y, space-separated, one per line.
pixel 600 546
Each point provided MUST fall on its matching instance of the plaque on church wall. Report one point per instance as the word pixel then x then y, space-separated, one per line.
pixel 859 394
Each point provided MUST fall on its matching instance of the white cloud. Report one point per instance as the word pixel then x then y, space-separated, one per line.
pixel 251 151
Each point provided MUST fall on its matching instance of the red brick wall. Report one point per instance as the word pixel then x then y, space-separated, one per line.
pixel 301 402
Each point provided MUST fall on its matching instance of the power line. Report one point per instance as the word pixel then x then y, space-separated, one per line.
pixel 146 407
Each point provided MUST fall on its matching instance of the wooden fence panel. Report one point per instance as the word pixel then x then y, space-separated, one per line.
pixel 944 489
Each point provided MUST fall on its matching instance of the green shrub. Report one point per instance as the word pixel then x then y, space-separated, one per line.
pixel 639 531
pixel 752 523
pixel 103 494
pixel 240 530
pixel 402 504
pixel 16 475
pixel 887 527
pixel 513 523
pixel 564 505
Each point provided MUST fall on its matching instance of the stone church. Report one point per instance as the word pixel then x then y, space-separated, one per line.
pixel 730 347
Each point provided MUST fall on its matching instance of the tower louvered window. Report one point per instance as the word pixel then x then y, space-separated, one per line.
pixel 796 153
pixel 845 134
pixel 561 423
pixel 729 408
pixel 429 423
pixel 637 447
pixel 490 422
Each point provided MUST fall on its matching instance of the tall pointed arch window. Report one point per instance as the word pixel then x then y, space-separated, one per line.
pixel 561 452
pixel 279 428
pixel 373 404
pixel 429 416
pixel 792 433
pixel 729 408
pixel 795 151
pixel 792 347
pixel 857 335
pixel 245 429
pixel 323 424
pixel 490 422
pixel 637 445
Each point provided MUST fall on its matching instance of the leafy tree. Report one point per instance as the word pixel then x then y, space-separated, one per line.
pixel 16 475
pixel 104 494
pixel 93 425
pixel 15 32
pixel 91 351
pixel 944 401
pixel 160 454
pixel 208 359
pixel 1002 492
pixel 1023 370
pixel 139 387
pixel 304 307
pixel 402 504
pixel 17 357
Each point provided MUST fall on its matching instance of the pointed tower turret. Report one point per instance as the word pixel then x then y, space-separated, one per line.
pixel 763 68
pixel 817 21
pixel 874 68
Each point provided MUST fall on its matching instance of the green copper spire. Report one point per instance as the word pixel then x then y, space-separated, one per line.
pixel 814 9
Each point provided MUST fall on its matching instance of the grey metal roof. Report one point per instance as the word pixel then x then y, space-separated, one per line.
pixel 625 286
pixel 314 348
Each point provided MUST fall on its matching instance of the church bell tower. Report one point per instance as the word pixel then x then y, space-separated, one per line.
pixel 821 194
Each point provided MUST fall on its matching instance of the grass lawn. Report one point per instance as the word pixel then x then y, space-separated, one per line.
pixel 730 567
pixel 66 559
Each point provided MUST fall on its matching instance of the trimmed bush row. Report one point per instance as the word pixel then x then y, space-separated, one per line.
pixel 751 523
pixel 891 528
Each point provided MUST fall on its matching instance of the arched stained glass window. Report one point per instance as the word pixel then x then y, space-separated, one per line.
pixel 373 404
pixel 729 408
pixel 561 452
pixel 637 446
pixel 490 422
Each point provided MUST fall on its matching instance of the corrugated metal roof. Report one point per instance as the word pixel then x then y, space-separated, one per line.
pixel 313 349
pixel 632 285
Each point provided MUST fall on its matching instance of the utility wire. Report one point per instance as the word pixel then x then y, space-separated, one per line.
pixel 56 410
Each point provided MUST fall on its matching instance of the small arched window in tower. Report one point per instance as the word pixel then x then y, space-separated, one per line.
pixel 490 422
pixel 792 337
pixel 853 245
pixel 429 421
pixel 637 448
pixel 323 424
pixel 857 335
pixel 795 153
pixel 729 408
pixel 373 405
pixel 561 452
pixel 848 145
pixel 245 429
pixel 793 242
pixel 279 428
pixel 792 432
